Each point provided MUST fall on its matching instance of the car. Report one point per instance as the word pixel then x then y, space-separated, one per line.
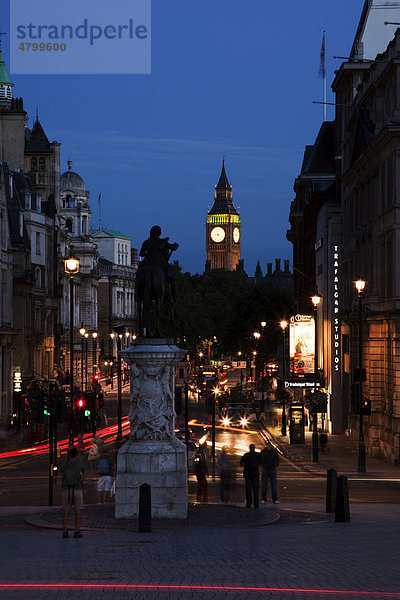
pixel 233 416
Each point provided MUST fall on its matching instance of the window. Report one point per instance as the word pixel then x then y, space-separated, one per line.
pixel 84 224
pixel 34 164
pixel 27 201
pixel 68 225
pixel 42 164
pixel 38 243
pixel 37 318
pixel 38 278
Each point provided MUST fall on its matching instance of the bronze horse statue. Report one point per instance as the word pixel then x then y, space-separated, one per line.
pixel 153 279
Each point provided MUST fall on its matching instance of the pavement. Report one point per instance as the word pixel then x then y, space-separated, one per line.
pixel 341 453
pixel 294 550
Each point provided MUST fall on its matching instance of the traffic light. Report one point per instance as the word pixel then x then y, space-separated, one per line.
pixel 96 377
pixel 366 406
pixel 81 403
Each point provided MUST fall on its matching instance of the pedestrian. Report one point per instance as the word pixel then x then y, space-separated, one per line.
pixel 105 472
pixel 250 463
pixel 225 468
pixel 80 445
pixel 269 461
pixel 201 472
pixel 93 456
pixel 72 484
pixel 99 442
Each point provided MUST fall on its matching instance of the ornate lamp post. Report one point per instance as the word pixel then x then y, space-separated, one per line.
pixel 315 300
pixel 283 325
pixel 119 388
pixel 216 392
pixel 86 359
pixel 71 267
pixel 94 336
pixel 82 331
pixel 239 355
pixel 112 336
pixel 360 285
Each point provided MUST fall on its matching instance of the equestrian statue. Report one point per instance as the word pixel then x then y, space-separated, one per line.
pixel 154 277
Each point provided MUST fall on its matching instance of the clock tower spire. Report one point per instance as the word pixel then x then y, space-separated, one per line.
pixel 223 227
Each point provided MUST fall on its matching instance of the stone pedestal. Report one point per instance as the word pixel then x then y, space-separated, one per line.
pixel 152 455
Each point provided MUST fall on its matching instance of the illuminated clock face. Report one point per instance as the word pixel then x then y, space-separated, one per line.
pixel 217 234
pixel 236 235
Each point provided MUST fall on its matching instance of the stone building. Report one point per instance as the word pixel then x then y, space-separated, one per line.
pixel 370 150
pixel 355 226
pixel 7 332
pixel 116 288
pixel 76 238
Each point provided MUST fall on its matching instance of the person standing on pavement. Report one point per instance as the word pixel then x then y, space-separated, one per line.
pixel 72 483
pixel 105 471
pixel 201 472
pixel 250 463
pixel 269 461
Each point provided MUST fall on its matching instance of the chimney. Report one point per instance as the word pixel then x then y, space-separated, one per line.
pixel 269 268
pixel 277 265
pixel 286 269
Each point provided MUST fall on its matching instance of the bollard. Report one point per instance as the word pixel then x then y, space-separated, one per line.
pixel 342 510
pixel 331 480
pixel 145 508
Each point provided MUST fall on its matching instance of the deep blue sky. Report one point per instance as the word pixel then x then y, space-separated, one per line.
pixel 229 77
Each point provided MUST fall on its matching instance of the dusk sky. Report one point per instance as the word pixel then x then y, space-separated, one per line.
pixel 229 77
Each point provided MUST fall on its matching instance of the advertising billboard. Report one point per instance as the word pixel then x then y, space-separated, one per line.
pixel 302 344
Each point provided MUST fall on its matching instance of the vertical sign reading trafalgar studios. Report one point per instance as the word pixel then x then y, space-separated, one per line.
pixel 80 37
pixel 335 310
pixel 302 344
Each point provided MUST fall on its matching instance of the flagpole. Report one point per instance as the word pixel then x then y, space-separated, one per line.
pixel 322 73
pixel 99 203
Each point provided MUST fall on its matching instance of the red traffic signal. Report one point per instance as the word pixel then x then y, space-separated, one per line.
pixel 366 406
pixel 81 403
pixel 96 377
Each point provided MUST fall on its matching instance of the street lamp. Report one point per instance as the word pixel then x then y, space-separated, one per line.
pixel 315 300
pixel 216 392
pixel 94 336
pixel 360 285
pixel 86 359
pixel 82 331
pixel 112 336
pixel 71 267
pixel 127 334
pixel 283 325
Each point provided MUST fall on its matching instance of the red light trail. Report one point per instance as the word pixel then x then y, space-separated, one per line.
pixel 216 588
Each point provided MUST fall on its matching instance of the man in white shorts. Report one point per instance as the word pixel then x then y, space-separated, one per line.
pixel 105 472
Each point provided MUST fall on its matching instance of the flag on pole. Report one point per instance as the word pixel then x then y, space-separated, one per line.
pixel 99 200
pixel 322 55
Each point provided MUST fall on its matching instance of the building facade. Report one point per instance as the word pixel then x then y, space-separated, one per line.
pixel 117 306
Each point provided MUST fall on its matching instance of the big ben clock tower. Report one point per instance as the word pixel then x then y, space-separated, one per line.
pixel 223 228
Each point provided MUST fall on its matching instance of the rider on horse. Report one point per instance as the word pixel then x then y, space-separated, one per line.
pixel 154 276
pixel 156 251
